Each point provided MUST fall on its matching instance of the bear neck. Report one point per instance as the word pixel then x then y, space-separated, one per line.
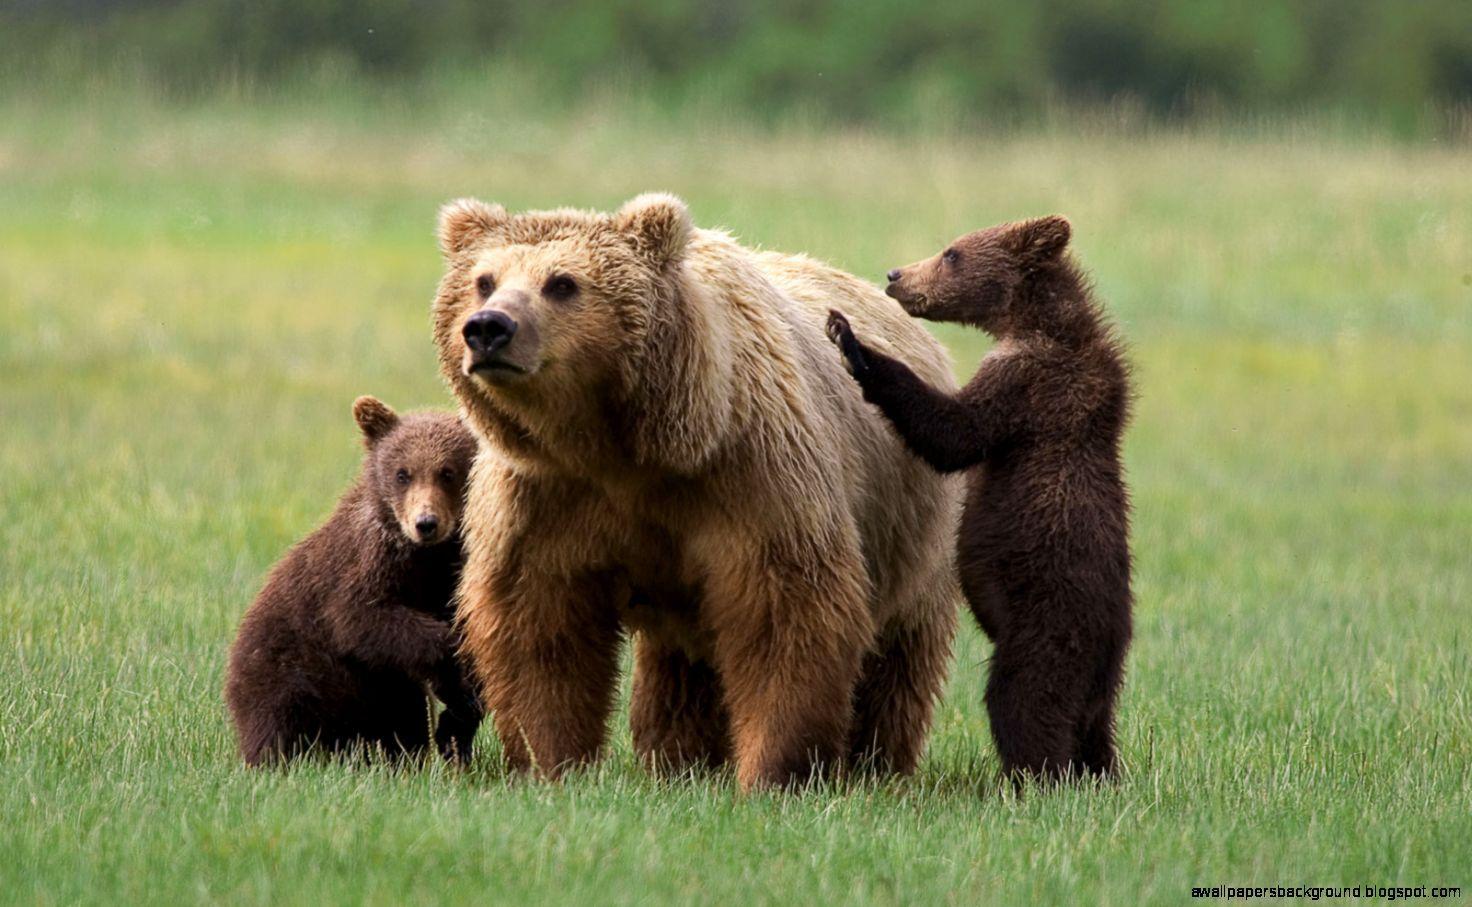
pixel 1053 301
pixel 679 403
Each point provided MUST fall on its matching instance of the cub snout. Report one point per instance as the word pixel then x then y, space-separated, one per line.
pixel 428 527
pixel 901 288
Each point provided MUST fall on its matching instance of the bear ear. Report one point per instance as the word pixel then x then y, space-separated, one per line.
pixel 375 419
pixel 1043 238
pixel 466 221
pixel 659 225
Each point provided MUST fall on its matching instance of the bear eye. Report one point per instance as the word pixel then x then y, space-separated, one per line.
pixel 447 474
pixel 950 256
pixel 402 477
pixel 485 285
pixel 561 287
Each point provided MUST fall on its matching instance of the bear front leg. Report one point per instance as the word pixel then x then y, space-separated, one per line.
pixel 546 650
pixel 791 626
pixel 676 714
pixel 951 433
pixel 389 636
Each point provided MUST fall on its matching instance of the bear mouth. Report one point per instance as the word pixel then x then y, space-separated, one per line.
pixel 495 370
pixel 497 366
pixel 904 297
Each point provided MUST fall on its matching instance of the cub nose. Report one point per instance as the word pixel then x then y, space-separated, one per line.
pixel 426 525
pixel 893 275
pixel 488 330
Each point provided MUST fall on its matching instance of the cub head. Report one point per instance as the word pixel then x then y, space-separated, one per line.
pixel 975 280
pixel 564 323
pixel 417 466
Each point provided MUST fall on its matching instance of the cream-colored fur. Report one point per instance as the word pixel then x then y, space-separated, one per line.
pixel 688 460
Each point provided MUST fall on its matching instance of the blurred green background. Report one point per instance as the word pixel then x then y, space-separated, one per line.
pixel 1400 66
pixel 216 230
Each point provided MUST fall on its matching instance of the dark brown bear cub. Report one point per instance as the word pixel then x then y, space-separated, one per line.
pixel 354 625
pixel 1043 550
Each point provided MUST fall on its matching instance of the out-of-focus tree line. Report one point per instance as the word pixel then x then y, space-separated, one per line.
pixel 849 60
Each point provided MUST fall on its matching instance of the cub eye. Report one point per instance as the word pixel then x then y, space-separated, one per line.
pixel 485 285
pixel 561 287
pixel 950 256
pixel 447 474
pixel 402 477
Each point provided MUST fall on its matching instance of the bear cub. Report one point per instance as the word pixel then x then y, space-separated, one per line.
pixel 1043 548
pixel 354 627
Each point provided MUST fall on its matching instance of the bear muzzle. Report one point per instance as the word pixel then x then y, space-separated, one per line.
pixel 901 290
pixel 426 521
pixel 490 353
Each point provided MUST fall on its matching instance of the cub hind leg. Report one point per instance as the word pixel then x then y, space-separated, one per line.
pixel 1035 708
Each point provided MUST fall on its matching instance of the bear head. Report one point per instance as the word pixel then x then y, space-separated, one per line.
pixel 575 332
pixel 416 468
pixel 978 278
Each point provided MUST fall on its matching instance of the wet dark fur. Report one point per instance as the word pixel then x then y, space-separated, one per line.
pixel 354 625
pixel 1043 548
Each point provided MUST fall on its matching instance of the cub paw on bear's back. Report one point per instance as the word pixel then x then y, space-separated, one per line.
pixel 355 624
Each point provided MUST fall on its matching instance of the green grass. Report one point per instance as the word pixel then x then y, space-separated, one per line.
pixel 191 298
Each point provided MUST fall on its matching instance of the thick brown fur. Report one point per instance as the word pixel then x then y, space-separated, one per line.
pixel 1043 551
pixel 355 624
pixel 673 452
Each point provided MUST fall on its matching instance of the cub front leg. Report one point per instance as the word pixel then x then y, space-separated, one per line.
pixel 546 650
pixel 949 432
pixel 791 625
pixel 843 337
pixel 455 733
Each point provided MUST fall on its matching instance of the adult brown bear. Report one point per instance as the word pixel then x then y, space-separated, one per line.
pixel 674 450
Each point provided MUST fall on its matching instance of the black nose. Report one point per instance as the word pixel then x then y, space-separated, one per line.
pixel 893 275
pixel 427 524
pixel 488 330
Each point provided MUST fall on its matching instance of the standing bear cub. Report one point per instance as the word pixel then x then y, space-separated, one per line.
pixel 355 623
pixel 1043 551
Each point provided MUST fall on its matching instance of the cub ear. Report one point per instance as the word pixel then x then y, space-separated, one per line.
pixel 1043 238
pixel 466 221
pixel 375 419
pixel 659 225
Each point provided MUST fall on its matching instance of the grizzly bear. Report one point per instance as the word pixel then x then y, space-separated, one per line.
pixel 1043 550
pixel 355 623
pixel 673 452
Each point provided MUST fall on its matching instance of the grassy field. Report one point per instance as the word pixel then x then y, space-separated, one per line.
pixel 191 298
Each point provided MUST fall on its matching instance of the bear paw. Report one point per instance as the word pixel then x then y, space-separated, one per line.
pixel 842 335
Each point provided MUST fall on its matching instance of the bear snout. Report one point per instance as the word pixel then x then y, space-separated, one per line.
pixel 502 344
pixel 487 331
pixel 428 526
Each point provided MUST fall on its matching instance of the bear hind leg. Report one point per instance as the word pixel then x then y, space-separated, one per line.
pixel 1096 743
pixel 1035 729
pixel 1096 735
pixel 895 699
pixel 676 714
